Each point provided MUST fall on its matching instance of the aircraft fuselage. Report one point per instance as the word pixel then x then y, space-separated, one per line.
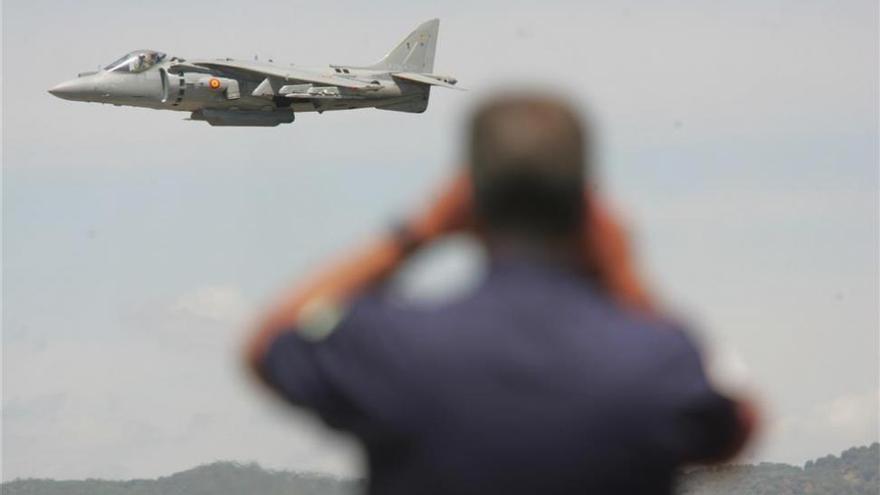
pixel 239 92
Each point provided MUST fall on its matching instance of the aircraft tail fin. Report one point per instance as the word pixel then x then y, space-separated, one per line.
pixel 415 53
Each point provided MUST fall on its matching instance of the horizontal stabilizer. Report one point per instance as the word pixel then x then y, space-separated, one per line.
pixel 443 82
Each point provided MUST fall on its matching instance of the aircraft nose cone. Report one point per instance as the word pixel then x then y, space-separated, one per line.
pixel 75 89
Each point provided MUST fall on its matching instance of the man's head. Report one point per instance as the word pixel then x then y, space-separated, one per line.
pixel 529 162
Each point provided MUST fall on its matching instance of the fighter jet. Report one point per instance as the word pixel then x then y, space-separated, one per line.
pixel 228 92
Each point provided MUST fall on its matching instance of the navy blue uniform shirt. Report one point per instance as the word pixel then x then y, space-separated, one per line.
pixel 535 383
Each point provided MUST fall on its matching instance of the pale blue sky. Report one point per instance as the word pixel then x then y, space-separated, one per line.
pixel 738 139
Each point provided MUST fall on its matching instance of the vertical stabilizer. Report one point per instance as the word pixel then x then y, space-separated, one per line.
pixel 415 53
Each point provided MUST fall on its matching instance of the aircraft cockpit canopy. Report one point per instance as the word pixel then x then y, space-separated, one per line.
pixel 136 61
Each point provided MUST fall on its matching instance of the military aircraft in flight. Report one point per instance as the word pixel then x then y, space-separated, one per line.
pixel 228 92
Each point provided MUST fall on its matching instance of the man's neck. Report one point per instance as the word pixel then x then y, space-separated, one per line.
pixel 561 252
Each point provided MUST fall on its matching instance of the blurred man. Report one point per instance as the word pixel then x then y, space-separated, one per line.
pixel 556 375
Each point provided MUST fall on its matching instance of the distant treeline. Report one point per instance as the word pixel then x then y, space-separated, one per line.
pixel 854 472
pixel 220 478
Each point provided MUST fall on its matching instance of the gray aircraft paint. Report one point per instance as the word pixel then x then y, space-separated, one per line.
pixel 228 92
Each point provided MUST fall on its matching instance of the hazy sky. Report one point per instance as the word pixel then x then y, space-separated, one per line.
pixel 738 138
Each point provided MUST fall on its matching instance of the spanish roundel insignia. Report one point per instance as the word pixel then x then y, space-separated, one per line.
pixel 214 83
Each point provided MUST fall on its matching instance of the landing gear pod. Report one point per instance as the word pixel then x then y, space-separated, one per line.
pixel 251 118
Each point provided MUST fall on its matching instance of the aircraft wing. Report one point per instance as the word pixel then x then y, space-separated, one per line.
pixel 259 71
pixel 180 67
pixel 424 79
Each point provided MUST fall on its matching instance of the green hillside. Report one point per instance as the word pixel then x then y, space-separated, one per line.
pixel 220 478
pixel 854 472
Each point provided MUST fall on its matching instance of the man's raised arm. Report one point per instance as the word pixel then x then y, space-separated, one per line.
pixel 338 284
